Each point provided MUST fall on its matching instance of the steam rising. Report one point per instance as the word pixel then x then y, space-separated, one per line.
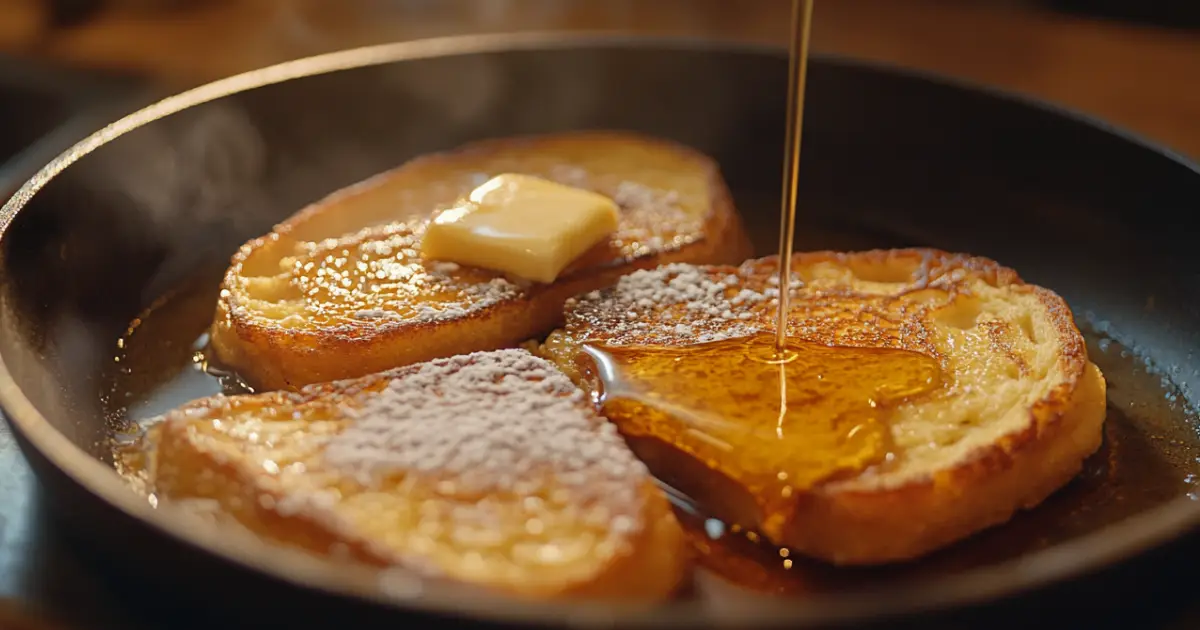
pixel 184 186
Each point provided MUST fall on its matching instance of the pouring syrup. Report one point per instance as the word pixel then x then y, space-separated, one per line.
pixel 766 416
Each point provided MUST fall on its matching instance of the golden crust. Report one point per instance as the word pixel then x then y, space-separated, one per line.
pixel 580 526
pixel 1022 407
pixel 267 327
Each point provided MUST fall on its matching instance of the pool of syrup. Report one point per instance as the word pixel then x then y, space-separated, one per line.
pixel 1150 455
pixel 781 421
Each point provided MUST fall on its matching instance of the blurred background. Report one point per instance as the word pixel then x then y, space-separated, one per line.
pixel 1133 62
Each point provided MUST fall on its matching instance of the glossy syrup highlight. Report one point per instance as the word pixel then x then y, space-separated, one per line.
pixel 773 424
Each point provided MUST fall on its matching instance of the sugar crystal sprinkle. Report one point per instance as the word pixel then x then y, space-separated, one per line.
pixel 488 420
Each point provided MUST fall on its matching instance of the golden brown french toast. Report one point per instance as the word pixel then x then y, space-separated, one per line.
pixel 491 469
pixel 1008 413
pixel 340 289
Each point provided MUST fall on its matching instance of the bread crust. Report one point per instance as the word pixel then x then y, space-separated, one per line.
pixel 271 351
pixel 929 495
pixel 595 527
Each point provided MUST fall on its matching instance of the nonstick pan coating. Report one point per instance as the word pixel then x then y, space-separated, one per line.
pixel 890 159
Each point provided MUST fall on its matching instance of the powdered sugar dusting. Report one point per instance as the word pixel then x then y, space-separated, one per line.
pixel 634 195
pixel 678 303
pixel 491 422
pixel 653 220
pixel 673 303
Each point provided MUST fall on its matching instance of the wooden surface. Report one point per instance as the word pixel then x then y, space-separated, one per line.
pixel 1144 78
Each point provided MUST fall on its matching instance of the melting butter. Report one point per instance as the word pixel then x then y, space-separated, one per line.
pixel 521 225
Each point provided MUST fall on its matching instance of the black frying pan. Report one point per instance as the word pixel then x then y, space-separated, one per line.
pixel 156 204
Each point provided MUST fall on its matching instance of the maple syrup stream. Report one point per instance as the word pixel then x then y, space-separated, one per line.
pixel 802 11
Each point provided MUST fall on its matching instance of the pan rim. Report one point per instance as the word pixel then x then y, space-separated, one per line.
pixel 1071 559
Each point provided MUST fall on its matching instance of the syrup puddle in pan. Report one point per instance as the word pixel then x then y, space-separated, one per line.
pixel 1151 455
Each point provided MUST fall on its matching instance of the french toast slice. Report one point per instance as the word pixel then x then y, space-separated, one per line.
pixel 1018 409
pixel 490 469
pixel 340 289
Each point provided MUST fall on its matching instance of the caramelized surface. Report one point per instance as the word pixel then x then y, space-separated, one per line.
pixel 341 290
pixel 775 424
pixel 378 276
pixel 1019 408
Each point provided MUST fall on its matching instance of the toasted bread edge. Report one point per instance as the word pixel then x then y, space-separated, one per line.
pixel 984 489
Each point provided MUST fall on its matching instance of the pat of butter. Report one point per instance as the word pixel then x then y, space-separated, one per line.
pixel 521 225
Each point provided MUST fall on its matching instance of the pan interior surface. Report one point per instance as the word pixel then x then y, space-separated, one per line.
pixel 112 268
